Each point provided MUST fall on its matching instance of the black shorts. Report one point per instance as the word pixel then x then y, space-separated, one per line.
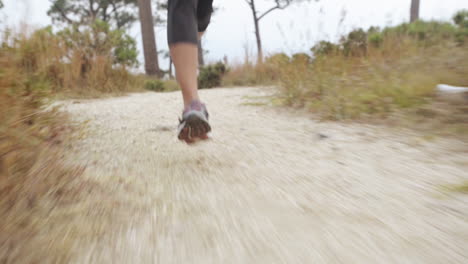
pixel 186 18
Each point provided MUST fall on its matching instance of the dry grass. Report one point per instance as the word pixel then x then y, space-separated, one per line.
pixel 441 117
pixel 28 139
pixel 389 76
pixel 45 204
pixel 393 85
pixel 157 85
pixel 48 207
pixel 69 70
pixel 404 75
pixel 248 74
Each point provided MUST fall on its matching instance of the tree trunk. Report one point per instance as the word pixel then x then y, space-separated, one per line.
pixel 201 60
pixel 148 37
pixel 257 32
pixel 414 10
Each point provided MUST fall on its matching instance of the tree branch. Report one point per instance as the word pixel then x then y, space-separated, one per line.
pixel 251 3
pixel 105 17
pixel 268 11
pixel 114 7
pixel 64 15
pixel 91 10
pixel 278 6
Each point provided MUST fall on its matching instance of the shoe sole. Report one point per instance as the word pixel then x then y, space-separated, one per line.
pixel 196 126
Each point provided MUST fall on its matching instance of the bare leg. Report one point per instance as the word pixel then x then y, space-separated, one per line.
pixel 185 20
pixel 185 58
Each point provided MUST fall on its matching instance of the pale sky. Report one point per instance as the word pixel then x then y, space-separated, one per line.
pixel 292 30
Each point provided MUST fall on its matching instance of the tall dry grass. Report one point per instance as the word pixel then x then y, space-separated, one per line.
pixel 77 69
pixel 38 191
pixel 385 75
pixel 399 74
pixel 28 139
pixel 248 74
pixel 373 73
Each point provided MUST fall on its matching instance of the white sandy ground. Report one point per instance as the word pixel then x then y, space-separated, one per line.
pixel 272 186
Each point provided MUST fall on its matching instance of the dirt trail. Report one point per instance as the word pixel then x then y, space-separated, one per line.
pixel 270 187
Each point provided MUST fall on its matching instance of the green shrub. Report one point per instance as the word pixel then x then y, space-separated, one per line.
pixel 428 33
pixel 355 43
pixel 154 85
pixel 277 59
pixel 461 18
pixel 210 76
pixel 375 39
pixel 301 58
pixel 324 48
pixel 78 61
pixel 157 85
pixel 98 40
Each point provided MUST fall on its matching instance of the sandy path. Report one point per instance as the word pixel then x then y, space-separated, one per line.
pixel 270 187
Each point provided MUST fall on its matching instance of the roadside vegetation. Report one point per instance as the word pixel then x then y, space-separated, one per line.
pixel 30 139
pixel 36 68
pixel 373 74
pixel 91 56
pixel 378 74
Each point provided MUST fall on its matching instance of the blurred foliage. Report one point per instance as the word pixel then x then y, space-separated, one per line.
pixel 117 13
pixel 373 72
pixel 248 74
pixel 79 62
pixel 324 48
pixel 211 75
pixel 461 18
pixel 355 43
pixel 427 33
pixel 99 40
pixel 376 72
pixel 34 176
pixel 277 59
pixel 154 85
pixel 29 133
pixel 338 87
pixel 157 85
pixel 375 39
pixel 301 58
pixel 94 30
